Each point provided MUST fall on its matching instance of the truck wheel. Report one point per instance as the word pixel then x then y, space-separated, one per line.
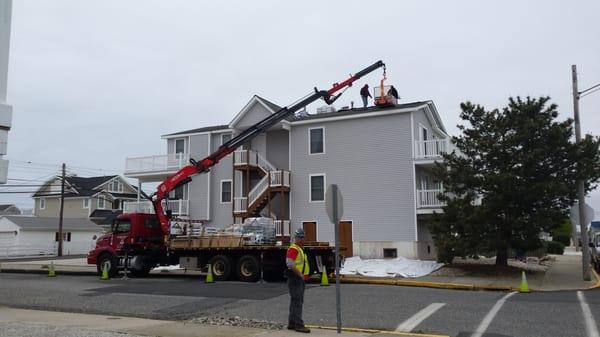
pixel 107 260
pixel 248 268
pixel 221 267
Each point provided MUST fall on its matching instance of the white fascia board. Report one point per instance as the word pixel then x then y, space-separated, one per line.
pixel 247 107
pixel 183 135
pixel 357 116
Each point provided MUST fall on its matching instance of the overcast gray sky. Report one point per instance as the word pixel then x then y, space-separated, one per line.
pixel 94 82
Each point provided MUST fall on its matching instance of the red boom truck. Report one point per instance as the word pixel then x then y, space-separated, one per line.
pixel 142 241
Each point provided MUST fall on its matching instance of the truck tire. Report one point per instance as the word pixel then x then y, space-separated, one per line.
pixel 110 261
pixel 248 268
pixel 221 267
pixel 141 273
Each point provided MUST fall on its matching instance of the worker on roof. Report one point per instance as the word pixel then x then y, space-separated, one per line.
pixel 365 94
pixel 297 273
pixel 392 95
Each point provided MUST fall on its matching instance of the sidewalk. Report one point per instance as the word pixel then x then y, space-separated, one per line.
pixel 79 324
pixel 563 274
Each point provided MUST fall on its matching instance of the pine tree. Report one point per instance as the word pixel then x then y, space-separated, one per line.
pixel 512 177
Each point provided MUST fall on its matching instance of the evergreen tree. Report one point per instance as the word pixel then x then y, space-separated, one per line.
pixel 512 177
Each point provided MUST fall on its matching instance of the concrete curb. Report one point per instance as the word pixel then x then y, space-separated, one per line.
pixel 426 284
pixel 376 331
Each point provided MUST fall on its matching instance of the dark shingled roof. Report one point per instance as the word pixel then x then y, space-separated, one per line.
pixel 5 207
pixel 356 111
pixel 205 129
pixel 84 186
pixel 32 223
pixel 342 112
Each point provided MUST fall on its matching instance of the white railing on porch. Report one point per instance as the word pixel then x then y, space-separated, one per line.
pixel 178 207
pixel 240 204
pixel 280 178
pixel 282 227
pixel 433 148
pixel 158 163
pixel 252 158
pixel 429 199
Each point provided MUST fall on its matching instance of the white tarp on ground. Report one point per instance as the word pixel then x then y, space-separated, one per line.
pixel 398 267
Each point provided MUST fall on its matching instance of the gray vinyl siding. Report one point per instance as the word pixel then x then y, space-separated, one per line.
pixel 419 116
pixel 198 188
pixel 259 144
pixel 370 160
pixel 221 214
pixel 255 114
pixel 73 208
pixel 278 148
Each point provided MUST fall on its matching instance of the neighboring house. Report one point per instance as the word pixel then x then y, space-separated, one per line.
pixel 9 209
pixel 380 157
pixel 29 235
pixel 96 198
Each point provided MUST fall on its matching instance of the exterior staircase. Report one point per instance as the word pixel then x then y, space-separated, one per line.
pixel 273 181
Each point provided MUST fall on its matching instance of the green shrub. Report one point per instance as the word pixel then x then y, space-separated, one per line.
pixel 554 247
pixel 564 239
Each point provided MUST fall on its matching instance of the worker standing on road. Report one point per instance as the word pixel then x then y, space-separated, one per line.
pixel 365 94
pixel 297 274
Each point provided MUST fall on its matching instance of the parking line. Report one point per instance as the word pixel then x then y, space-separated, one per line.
pixel 416 319
pixel 590 323
pixel 485 323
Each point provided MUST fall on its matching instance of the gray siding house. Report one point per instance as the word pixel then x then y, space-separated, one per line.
pixel 380 157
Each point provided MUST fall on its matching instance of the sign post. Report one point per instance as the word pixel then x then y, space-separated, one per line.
pixel 334 204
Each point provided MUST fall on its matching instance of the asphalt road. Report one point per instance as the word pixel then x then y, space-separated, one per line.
pixel 451 312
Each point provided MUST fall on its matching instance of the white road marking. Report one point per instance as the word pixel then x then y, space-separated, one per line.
pixel 485 323
pixel 416 319
pixel 590 323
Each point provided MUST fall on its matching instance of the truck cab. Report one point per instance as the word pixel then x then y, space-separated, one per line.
pixel 135 239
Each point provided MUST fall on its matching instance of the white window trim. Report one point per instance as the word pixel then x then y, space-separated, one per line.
pixel 226 134
pixel 43 201
pixel 84 203
pixel 310 187
pixel 309 130
pixel 103 202
pixel 421 128
pixel 231 191
pixel 185 145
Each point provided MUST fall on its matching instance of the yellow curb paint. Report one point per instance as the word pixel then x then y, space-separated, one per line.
pixel 437 285
pixel 386 332
pixel 597 285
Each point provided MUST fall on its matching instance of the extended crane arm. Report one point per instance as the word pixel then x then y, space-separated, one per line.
pixel 183 176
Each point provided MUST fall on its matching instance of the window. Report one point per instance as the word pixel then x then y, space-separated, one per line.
pixel 180 145
pixel 86 203
pixel 115 186
pixel 316 140
pixel 116 204
pixel 101 202
pixel 66 236
pixel 122 226
pixel 42 203
pixel 225 138
pixel 225 191
pixel 317 187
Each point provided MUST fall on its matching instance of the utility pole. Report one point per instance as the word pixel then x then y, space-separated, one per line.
pixel 62 206
pixel 585 252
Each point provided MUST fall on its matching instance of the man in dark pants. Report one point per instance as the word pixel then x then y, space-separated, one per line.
pixel 297 274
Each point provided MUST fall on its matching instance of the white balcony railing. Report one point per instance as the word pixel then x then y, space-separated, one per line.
pixel 280 178
pixel 240 205
pixel 429 199
pixel 159 163
pixel 252 158
pixel 178 207
pixel 433 148
pixel 282 227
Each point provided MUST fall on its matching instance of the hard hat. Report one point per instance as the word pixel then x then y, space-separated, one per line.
pixel 299 233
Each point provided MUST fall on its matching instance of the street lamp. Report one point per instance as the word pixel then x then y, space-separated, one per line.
pixel 585 252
